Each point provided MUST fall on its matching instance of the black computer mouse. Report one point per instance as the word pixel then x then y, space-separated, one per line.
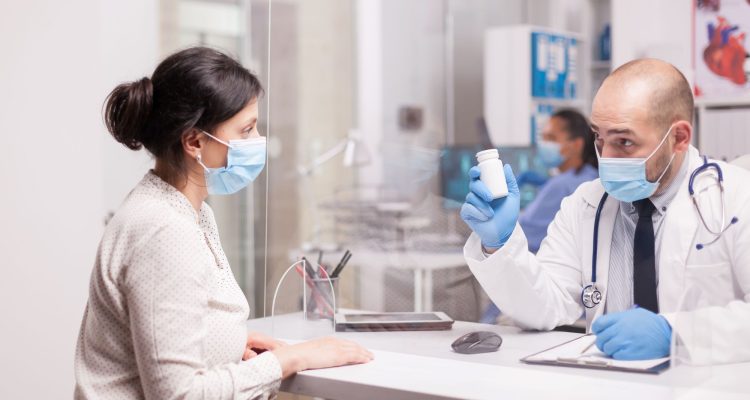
pixel 477 342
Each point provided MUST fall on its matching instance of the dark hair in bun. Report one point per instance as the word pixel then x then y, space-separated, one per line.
pixel 196 87
pixel 128 107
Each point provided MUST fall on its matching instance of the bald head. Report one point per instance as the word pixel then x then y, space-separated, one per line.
pixel 644 109
pixel 655 86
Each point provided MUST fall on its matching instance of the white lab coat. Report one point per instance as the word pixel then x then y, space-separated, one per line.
pixel 712 320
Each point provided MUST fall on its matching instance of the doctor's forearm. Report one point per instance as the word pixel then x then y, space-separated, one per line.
pixel 518 285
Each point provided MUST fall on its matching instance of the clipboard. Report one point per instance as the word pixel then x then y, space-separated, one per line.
pixel 568 354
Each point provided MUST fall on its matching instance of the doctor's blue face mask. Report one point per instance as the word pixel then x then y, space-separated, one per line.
pixel 245 160
pixel 625 178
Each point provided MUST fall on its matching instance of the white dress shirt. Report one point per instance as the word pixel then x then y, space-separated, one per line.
pixel 620 295
pixel 165 317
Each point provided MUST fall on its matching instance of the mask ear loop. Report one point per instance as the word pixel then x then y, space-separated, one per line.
pixel 216 139
pixel 665 169
pixel 198 157
pixel 666 135
pixel 205 169
pixel 654 152
pixel 599 156
pixel 200 161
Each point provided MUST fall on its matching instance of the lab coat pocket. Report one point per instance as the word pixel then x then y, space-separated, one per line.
pixel 713 282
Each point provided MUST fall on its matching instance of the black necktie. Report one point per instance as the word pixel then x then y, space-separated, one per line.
pixel 644 258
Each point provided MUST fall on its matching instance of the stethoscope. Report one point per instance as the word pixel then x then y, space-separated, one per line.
pixel 720 179
pixel 591 296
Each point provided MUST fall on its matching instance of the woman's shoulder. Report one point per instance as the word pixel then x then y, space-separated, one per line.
pixel 572 179
pixel 141 208
pixel 568 183
pixel 148 233
pixel 149 208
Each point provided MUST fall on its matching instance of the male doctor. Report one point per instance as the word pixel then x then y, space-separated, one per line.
pixel 656 269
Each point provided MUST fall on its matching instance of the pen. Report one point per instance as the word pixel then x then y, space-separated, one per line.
pixel 309 268
pixel 316 294
pixel 594 342
pixel 574 360
pixel 313 272
pixel 320 257
pixel 589 346
pixel 340 268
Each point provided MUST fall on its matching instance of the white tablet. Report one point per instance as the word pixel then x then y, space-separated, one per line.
pixel 393 321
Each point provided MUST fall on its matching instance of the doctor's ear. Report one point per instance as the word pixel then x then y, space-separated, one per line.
pixel 683 133
pixel 192 142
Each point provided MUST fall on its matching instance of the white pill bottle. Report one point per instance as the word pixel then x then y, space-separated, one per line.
pixel 491 172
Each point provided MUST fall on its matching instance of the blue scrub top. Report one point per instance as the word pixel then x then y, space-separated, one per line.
pixel 537 216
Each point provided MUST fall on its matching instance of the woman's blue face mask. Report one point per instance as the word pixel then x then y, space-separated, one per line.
pixel 245 160
pixel 549 154
pixel 625 178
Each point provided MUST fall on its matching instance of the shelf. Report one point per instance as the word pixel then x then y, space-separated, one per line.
pixel 558 102
pixel 718 103
pixel 601 64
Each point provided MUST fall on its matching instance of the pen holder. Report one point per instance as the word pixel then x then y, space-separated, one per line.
pixel 321 298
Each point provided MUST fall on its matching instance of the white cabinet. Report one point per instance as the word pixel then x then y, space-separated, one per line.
pixel 529 72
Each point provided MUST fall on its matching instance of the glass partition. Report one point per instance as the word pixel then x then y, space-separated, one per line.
pixel 376 113
pixel 239 28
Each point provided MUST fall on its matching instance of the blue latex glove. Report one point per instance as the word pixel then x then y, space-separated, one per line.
pixel 635 334
pixel 492 220
pixel 532 178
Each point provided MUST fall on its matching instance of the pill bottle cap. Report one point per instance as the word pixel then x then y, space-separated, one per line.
pixel 489 154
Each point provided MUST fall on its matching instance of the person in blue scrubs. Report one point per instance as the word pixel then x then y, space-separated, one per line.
pixel 567 150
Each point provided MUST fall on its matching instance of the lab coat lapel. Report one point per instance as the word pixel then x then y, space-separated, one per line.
pixel 680 227
pixel 606 229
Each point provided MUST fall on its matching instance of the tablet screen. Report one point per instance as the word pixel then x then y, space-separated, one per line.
pixel 392 317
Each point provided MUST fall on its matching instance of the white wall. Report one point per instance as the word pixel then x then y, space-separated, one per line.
pixel 470 21
pixel 128 50
pixel 657 29
pixel 57 62
pixel 404 60
pixel 369 47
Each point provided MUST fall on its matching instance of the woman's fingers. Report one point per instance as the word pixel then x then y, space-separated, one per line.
pixel 365 356
pixel 261 341
pixel 249 353
pixel 321 353
pixel 356 354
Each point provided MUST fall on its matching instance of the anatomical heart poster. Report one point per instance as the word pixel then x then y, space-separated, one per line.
pixel 720 49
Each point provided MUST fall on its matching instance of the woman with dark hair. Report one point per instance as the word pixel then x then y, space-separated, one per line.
pixel 567 150
pixel 165 317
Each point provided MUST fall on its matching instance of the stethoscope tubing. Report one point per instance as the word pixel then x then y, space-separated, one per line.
pixel 597 218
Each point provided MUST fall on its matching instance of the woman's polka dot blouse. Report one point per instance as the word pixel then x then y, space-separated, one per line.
pixel 165 317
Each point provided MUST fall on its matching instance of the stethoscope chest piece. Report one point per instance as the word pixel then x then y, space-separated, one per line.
pixel 591 296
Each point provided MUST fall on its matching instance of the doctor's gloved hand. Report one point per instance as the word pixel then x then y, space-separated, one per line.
pixel 636 334
pixel 492 220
